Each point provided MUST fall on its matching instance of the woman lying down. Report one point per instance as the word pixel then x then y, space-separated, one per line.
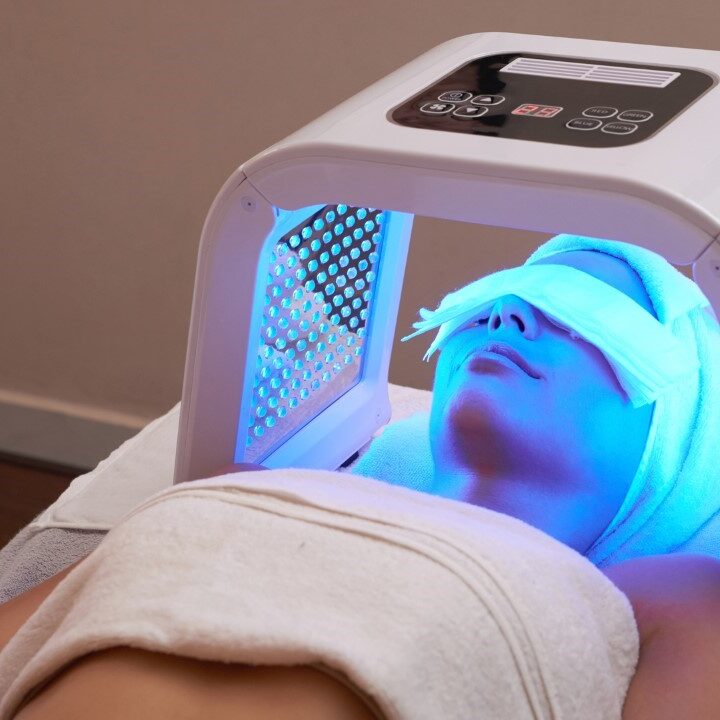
pixel 552 557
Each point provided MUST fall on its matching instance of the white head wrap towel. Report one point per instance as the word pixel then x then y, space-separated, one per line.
pixel 673 502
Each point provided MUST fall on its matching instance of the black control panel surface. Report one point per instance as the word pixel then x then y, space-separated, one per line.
pixel 561 100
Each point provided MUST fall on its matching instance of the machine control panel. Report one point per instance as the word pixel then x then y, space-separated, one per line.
pixel 566 101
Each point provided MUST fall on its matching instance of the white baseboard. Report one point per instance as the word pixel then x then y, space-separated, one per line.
pixel 61 433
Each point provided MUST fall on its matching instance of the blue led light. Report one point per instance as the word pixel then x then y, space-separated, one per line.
pixel 319 283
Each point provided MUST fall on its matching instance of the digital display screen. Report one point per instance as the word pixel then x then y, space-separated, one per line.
pixel 533 110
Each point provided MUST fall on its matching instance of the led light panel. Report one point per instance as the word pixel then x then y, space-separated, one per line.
pixel 318 300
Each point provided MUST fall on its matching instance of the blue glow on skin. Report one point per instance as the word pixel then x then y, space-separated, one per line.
pixel 558 451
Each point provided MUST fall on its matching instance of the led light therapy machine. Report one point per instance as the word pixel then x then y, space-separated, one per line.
pixel 303 251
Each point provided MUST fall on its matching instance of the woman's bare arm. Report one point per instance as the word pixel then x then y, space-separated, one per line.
pixel 124 682
pixel 676 600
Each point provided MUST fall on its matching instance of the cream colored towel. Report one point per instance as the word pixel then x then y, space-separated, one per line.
pixel 430 608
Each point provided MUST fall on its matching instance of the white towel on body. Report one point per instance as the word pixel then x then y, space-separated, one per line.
pixel 77 521
pixel 430 608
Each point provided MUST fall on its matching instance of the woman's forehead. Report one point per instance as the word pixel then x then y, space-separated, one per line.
pixel 609 269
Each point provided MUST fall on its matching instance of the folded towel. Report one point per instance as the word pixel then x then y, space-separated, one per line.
pixel 673 503
pixel 430 608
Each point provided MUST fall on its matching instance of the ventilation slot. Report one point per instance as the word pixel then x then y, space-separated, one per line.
pixel 595 73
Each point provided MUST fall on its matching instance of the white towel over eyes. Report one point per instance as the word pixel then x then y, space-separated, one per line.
pixel 673 503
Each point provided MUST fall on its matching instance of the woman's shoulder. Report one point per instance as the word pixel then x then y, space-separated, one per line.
pixel 676 601
pixel 678 588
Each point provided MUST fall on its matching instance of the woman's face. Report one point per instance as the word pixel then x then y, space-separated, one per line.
pixel 550 437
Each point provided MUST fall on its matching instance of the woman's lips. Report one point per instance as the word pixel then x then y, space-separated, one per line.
pixel 506 351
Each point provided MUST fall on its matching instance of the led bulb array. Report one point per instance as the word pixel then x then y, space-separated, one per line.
pixel 318 298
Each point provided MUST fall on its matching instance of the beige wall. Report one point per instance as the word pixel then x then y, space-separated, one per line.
pixel 122 119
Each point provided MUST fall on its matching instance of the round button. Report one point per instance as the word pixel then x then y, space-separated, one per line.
pixel 635 116
pixel 437 108
pixel 455 96
pixel 619 128
pixel 488 99
pixel 599 111
pixel 469 111
pixel 583 124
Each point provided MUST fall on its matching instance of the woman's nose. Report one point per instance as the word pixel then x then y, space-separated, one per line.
pixel 511 313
